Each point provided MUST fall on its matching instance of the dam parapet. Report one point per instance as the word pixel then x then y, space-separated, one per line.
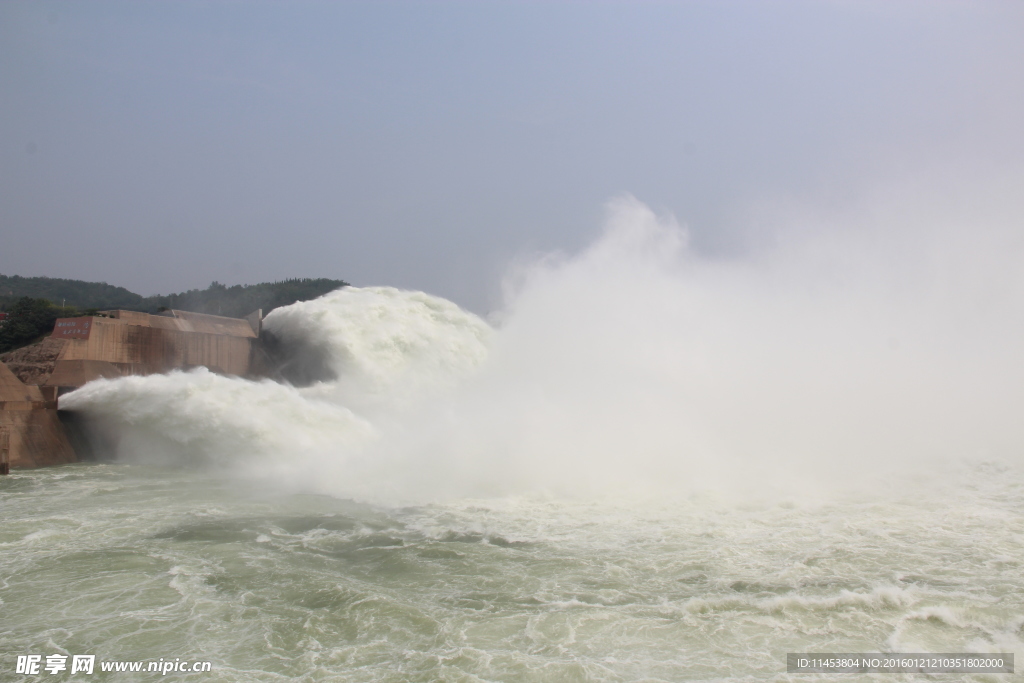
pixel 115 344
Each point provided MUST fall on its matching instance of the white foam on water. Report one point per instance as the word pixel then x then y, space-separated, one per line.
pixel 171 562
pixel 824 430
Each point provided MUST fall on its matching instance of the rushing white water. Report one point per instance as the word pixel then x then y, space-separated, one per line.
pixel 833 361
pixel 139 563
pixel 650 465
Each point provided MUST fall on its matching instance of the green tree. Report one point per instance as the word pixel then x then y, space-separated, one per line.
pixel 27 320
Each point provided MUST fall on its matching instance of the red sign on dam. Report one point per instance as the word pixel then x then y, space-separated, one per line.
pixel 72 328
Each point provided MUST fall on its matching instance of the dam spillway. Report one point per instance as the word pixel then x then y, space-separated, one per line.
pixel 115 344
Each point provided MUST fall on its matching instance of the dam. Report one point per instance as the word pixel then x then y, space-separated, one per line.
pixel 119 343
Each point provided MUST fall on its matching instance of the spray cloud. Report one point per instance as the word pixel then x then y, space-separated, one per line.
pixel 880 346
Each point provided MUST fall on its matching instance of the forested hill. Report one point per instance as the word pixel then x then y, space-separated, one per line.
pixel 218 299
pixel 240 300
pixel 75 293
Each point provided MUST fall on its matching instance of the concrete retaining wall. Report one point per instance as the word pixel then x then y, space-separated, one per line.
pixel 28 417
pixel 116 344
pixel 143 344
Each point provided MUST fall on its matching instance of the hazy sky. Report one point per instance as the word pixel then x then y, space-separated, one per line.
pixel 163 145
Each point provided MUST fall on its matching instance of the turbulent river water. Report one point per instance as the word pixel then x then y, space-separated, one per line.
pixel 649 467
pixel 141 563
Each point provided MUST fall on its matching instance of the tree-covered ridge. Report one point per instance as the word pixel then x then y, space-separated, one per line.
pixel 74 293
pixel 240 300
pixel 235 301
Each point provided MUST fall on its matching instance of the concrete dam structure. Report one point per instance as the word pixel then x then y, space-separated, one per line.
pixel 115 344
pixel 31 435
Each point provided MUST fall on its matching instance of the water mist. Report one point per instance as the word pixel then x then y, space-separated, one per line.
pixel 868 351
